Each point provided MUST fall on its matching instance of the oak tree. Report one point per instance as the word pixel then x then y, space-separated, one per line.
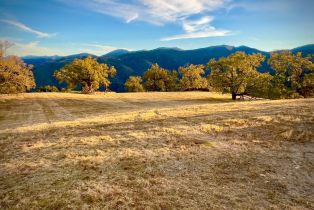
pixel 192 78
pixel 134 84
pixel 87 73
pixel 15 75
pixel 234 74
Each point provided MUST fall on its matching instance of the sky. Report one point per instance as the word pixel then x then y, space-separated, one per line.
pixel 64 27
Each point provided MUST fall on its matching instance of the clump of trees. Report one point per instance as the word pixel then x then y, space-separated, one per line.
pixel 134 84
pixel 192 78
pixel 236 74
pixel 160 79
pixel 157 78
pixel 15 75
pixel 86 73
pixel 294 75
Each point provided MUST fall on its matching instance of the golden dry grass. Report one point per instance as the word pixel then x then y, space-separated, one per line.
pixel 191 150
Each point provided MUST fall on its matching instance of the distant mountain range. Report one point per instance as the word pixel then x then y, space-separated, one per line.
pixel 137 62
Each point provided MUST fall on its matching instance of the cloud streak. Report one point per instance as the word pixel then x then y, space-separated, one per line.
pixel 200 28
pixel 200 34
pixel 26 28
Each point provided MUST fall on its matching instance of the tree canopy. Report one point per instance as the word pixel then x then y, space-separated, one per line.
pixel 160 79
pixel 134 84
pixel 260 85
pixel 235 74
pixel 192 77
pixel 294 75
pixel 15 75
pixel 87 73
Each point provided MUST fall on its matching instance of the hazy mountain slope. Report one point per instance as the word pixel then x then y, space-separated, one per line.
pixel 117 52
pixel 306 50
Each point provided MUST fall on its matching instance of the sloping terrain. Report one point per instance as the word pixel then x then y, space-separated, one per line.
pixel 155 151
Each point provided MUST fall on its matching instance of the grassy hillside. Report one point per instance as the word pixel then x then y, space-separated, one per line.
pixel 191 150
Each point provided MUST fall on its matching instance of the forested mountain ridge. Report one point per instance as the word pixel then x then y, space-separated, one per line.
pixel 137 62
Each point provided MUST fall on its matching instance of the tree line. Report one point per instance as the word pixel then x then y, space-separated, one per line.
pixel 236 74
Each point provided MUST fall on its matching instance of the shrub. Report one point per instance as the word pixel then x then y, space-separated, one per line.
pixel 48 88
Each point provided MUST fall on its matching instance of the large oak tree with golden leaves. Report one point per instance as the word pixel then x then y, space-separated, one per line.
pixel 15 75
pixel 87 73
pixel 237 74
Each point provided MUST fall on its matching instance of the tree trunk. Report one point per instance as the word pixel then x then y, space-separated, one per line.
pixel 234 96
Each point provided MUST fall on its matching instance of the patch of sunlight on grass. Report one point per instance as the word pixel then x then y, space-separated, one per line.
pixel 173 131
pixel 236 122
pixel 95 140
pixel 211 128
pixel 264 118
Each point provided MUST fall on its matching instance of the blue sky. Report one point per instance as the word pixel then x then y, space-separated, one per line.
pixel 63 27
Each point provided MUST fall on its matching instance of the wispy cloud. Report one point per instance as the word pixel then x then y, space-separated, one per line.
pixel 131 18
pixel 284 6
pixel 26 28
pixel 157 11
pixel 160 12
pixel 200 28
pixel 197 25
pixel 201 34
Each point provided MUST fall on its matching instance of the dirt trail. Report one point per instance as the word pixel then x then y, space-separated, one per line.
pixel 53 111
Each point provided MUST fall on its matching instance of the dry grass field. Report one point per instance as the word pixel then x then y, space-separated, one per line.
pixel 192 150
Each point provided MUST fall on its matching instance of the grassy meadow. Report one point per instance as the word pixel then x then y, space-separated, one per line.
pixel 180 150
